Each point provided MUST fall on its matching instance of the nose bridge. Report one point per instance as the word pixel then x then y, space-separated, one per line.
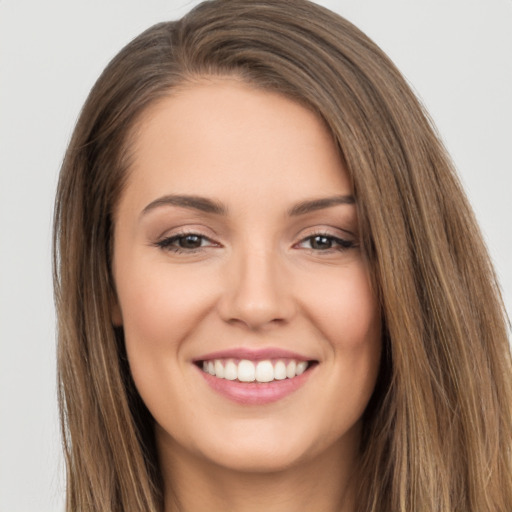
pixel 256 294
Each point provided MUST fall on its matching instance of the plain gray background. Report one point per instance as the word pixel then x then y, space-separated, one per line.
pixel 457 54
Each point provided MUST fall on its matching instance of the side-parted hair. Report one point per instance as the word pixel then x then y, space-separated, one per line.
pixel 437 433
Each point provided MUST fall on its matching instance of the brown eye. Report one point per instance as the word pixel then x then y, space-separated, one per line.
pixel 321 242
pixel 190 241
pixel 187 242
pixel 326 243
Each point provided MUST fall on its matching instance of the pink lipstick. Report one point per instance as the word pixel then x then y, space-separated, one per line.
pixel 255 376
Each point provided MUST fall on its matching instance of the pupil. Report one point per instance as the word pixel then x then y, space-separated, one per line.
pixel 321 242
pixel 190 242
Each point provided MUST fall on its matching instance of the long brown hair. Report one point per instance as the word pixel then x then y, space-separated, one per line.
pixel 438 430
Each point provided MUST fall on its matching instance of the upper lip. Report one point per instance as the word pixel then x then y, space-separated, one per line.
pixel 253 354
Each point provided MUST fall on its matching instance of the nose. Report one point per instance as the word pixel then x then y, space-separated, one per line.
pixel 257 292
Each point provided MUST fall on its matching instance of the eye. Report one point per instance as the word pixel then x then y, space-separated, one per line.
pixel 323 242
pixel 185 242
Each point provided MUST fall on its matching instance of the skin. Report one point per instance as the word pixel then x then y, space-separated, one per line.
pixel 257 280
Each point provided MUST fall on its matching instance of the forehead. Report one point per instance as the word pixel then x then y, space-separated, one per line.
pixel 221 136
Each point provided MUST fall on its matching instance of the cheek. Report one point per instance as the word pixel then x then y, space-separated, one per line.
pixel 160 305
pixel 348 316
pixel 345 308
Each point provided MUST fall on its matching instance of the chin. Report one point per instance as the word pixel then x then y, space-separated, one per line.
pixel 268 446
pixel 257 458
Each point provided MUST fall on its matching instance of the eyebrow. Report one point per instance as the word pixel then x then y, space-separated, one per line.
pixel 202 204
pixel 206 205
pixel 319 204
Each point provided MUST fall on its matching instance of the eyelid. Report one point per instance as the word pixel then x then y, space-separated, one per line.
pixel 166 241
pixel 342 243
pixel 338 236
pixel 327 230
pixel 342 239
pixel 184 228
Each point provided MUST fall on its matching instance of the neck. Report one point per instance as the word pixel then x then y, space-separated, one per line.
pixel 323 483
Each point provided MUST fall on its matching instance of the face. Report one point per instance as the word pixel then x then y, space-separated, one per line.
pixel 252 333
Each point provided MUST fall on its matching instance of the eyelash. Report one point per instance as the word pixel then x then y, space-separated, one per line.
pixel 167 243
pixel 340 244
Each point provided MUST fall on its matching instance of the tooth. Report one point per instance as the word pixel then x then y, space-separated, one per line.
pixel 290 369
pixel 230 371
pixel 264 371
pixel 249 371
pixel 301 367
pixel 280 371
pixel 246 371
pixel 219 369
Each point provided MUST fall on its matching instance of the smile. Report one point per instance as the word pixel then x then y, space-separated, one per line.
pixel 245 370
pixel 255 377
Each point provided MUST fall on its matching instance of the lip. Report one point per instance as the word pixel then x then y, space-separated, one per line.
pixel 253 354
pixel 255 393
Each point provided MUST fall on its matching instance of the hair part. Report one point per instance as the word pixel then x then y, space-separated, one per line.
pixel 437 432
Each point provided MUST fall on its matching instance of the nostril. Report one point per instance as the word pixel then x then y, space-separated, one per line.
pixel 257 296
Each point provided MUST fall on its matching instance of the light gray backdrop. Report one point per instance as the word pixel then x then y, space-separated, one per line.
pixel 457 54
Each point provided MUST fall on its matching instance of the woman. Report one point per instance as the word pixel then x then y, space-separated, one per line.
pixel 342 347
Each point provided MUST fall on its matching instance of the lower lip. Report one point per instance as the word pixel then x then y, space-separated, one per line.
pixel 256 393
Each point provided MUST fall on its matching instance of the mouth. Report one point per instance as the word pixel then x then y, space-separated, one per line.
pixel 255 371
pixel 255 378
